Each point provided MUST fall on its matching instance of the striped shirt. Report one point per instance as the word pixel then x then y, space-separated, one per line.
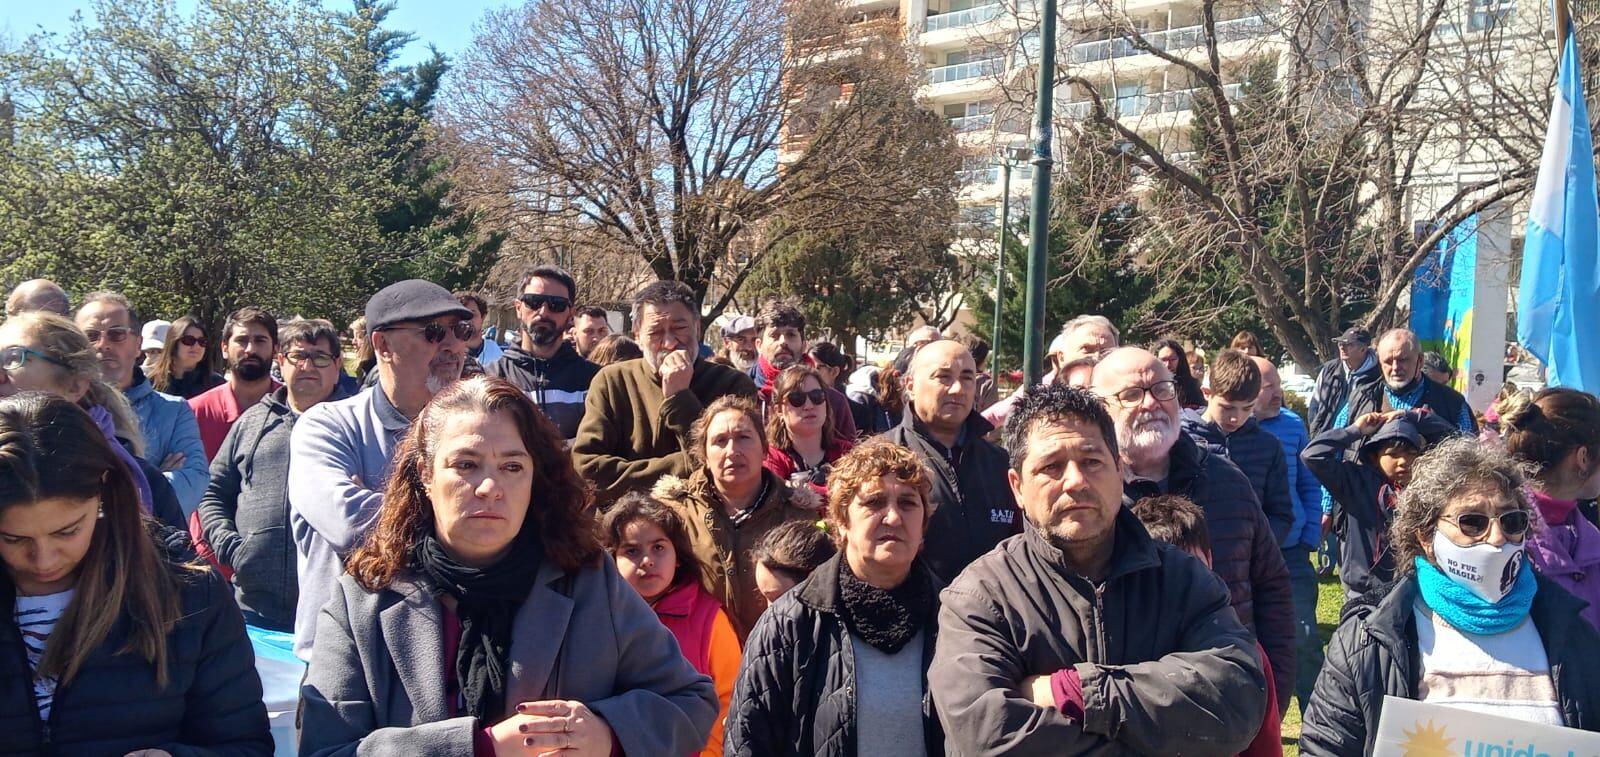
pixel 1505 674
pixel 36 617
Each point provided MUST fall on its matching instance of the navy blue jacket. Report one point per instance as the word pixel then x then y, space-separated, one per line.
pixel 1259 456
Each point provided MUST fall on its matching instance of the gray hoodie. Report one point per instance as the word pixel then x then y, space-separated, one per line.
pixel 245 510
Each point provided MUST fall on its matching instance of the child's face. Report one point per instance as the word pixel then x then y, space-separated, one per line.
pixel 1228 414
pixel 646 559
pixel 1395 461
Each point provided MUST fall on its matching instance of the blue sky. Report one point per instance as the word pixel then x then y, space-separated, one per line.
pixel 447 24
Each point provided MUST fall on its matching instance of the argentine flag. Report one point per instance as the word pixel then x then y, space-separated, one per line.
pixel 1558 303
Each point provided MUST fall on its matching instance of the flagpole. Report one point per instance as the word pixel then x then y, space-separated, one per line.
pixel 1563 21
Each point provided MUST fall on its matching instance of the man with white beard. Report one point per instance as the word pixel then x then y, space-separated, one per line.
pixel 339 452
pixel 1159 459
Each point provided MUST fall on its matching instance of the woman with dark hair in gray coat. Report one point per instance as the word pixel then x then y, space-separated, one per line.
pixel 482 617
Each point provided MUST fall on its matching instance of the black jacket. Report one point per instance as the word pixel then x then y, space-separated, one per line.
pixel 1373 653
pixel 1369 397
pixel 194 383
pixel 796 689
pixel 1244 551
pixel 975 509
pixel 1166 666
pixel 1333 389
pixel 1357 487
pixel 211 707
pixel 557 385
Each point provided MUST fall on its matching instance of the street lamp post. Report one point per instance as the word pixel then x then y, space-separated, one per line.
pixel 1000 263
pixel 1038 221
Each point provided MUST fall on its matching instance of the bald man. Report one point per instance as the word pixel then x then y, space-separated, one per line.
pixel 1304 538
pixel 975 509
pixel 1158 458
pixel 38 295
pixel 1402 386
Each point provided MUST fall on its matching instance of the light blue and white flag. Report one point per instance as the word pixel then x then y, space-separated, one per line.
pixel 1558 307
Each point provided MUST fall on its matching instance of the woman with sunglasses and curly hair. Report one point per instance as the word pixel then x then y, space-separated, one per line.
pixel 803 440
pixel 188 363
pixel 1469 623
pixel 482 616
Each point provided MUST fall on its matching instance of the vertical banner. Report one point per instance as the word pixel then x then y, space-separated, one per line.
pixel 1442 297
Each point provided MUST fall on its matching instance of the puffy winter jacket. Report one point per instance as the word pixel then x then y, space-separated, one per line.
pixel 210 707
pixel 1260 458
pixel 975 507
pixel 1333 389
pixel 1290 430
pixel 168 426
pixel 796 689
pixel 1447 403
pixel 245 510
pixel 558 384
pixel 1244 551
pixel 1166 667
pixel 1373 654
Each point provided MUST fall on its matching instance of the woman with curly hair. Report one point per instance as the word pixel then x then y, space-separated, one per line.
pixel 481 615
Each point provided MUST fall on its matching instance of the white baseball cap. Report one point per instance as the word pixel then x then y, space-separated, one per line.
pixel 155 335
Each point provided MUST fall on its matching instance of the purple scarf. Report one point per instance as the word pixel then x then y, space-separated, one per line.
pixel 102 418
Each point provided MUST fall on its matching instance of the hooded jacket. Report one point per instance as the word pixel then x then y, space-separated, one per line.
pixel 1373 654
pixel 211 706
pixel 1244 552
pixel 245 510
pixel 796 693
pixel 974 509
pixel 632 434
pixel 723 549
pixel 558 385
pixel 1260 458
pixel 1362 497
pixel 168 426
pixel 1166 666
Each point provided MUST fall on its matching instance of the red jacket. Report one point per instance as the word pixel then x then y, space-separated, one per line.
pixel 706 637
pixel 784 465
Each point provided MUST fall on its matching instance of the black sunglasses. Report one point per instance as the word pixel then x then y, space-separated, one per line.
pixel 536 301
pixel 115 334
pixel 798 398
pixel 191 341
pixel 1513 523
pixel 435 331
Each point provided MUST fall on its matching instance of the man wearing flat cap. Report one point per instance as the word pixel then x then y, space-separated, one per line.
pixel 339 452
pixel 1356 364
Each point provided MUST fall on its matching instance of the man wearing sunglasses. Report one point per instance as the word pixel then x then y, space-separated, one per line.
pixel 638 414
pixel 171 436
pixel 249 342
pixel 340 451
pixel 1364 466
pixel 1158 458
pixel 546 365
pixel 781 343
pixel 245 510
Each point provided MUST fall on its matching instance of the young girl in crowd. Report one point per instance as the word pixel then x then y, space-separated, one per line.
pixel 651 547
pixel 788 554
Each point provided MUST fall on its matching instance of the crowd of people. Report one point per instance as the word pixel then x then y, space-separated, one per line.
pixel 591 543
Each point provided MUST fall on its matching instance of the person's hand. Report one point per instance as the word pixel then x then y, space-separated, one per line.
pixel 1327 526
pixel 557 727
pixel 677 368
pixel 173 462
pixel 150 753
pixel 1038 689
pixel 1370 423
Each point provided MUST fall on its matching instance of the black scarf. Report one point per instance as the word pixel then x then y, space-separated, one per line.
pixel 885 618
pixel 486 601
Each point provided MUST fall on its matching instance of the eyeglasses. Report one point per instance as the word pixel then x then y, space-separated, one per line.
pixel 13 358
pixel 1513 523
pixel 536 301
pixel 191 341
pixel 798 398
pixel 115 334
pixel 318 359
pixel 1163 391
pixel 435 331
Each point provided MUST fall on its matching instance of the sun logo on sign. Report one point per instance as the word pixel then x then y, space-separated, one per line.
pixel 1427 741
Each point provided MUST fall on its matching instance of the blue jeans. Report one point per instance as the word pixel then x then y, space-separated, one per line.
pixel 1308 641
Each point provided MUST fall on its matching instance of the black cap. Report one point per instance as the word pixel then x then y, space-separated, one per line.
pixel 1355 334
pixel 411 300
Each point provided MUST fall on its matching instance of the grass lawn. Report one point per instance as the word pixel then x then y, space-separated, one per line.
pixel 1329 601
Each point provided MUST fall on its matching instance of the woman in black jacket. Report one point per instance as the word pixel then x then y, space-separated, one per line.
pixel 1469 624
pixel 188 364
pixel 851 644
pixel 112 645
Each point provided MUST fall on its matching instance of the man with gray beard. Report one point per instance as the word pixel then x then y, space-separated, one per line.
pixel 1158 458
pixel 339 452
